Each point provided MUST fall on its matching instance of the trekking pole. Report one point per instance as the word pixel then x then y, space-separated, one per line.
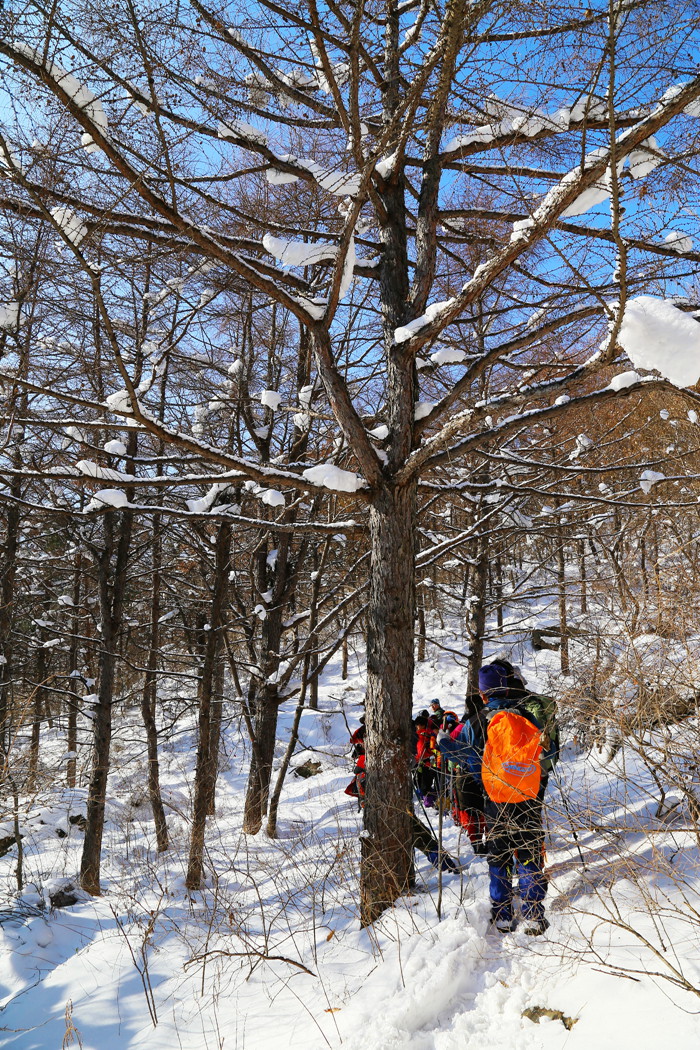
pixel 571 819
pixel 439 900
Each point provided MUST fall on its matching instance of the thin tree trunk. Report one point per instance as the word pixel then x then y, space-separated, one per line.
pixel 37 710
pixel 561 577
pixel 112 587
pixel 8 572
pixel 267 700
pixel 149 697
pixel 476 615
pixel 421 631
pixel 72 738
pixel 344 652
pixel 205 772
pixel 266 711
pixel 294 736
pixel 498 592
pixel 584 580
pixel 217 711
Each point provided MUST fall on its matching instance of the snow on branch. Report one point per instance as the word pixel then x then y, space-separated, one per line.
pixel 335 182
pixel 298 253
pixel 655 334
pixel 553 205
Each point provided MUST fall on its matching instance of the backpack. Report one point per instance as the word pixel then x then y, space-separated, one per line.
pixel 511 769
pixel 544 711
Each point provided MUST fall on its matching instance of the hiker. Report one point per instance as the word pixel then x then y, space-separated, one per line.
pixel 467 797
pixel 509 747
pixel 436 713
pixel 425 749
pixel 357 739
pixel 422 837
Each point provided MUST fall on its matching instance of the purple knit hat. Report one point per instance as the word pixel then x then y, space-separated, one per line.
pixel 492 677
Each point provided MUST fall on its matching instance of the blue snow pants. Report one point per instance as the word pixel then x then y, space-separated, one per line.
pixel 516 845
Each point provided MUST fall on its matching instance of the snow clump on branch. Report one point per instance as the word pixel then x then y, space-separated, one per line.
pixel 327 475
pixel 655 334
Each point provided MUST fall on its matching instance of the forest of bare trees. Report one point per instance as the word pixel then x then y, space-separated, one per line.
pixel 313 332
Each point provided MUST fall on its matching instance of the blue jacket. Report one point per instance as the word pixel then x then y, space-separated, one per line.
pixel 467 748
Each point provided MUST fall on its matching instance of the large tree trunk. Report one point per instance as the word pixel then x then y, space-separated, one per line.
pixel 387 856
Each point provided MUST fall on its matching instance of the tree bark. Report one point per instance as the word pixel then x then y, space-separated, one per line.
pixel 563 619
pixel 7 600
pixel 149 698
pixel 205 771
pixel 112 588
pixel 476 616
pixel 387 855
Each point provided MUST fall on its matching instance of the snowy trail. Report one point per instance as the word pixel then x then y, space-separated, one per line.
pixel 270 955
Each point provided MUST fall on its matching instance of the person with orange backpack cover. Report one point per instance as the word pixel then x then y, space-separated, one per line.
pixel 509 747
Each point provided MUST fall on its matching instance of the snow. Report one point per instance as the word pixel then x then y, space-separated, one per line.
pixel 336 182
pixel 432 313
pixel 89 144
pixel 118 402
pixel 448 356
pixel 280 178
pixel 623 380
pixel 692 415
pixel 107 498
pixel 380 433
pixel 9 316
pixel 680 242
pixel 273 498
pixel 423 409
pixel 71 224
pixel 271 399
pixel 95 470
pixel 348 270
pixel 115 448
pixel 245 133
pixel 655 334
pixel 78 93
pixel 204 504
pixel 385 166
pixel 417 980
pixel 298 253
pixel 642 162
pixel 649 478
pixel 327 475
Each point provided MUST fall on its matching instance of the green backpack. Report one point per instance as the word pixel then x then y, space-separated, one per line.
pixel 544 710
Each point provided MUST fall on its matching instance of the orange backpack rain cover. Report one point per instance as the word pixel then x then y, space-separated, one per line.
pixel 510 768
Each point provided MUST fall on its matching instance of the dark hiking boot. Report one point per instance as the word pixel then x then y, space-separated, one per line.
pixel 503 924
pixel 448 863
pixel 502 919
pixel 536 927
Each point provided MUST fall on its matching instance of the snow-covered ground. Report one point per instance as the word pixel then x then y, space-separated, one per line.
pixel 271 954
